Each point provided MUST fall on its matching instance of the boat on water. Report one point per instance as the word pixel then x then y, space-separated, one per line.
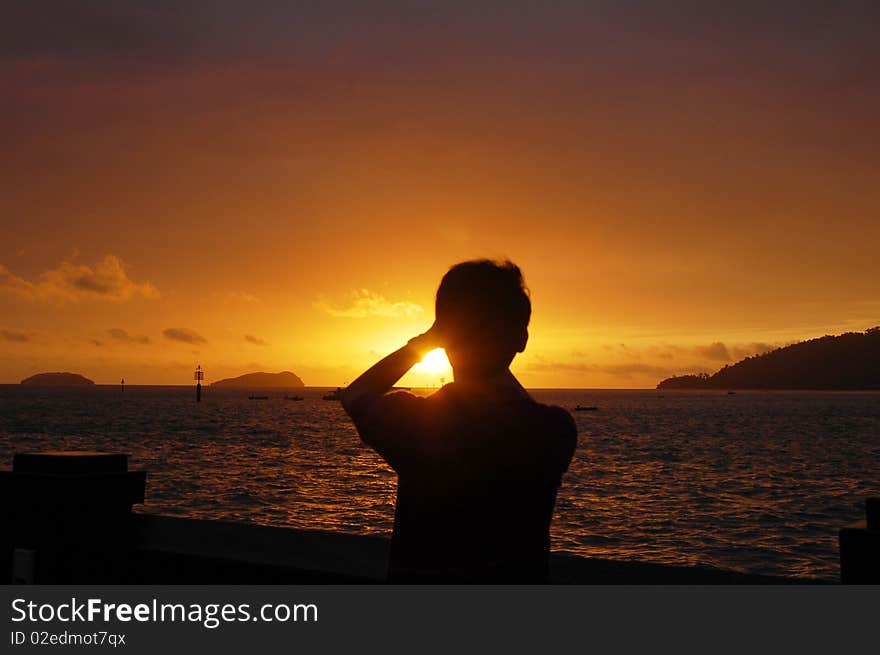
pixel 258 397
pixel 586 408
pixel 293 398
pixel 333 395
pixel 731 393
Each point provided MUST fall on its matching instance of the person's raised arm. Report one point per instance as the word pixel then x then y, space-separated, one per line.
pixel 379 378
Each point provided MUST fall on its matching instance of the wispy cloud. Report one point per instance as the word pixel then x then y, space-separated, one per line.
pixel 624 370
pixel 542 365
pixel 121 335
pixel 184 334
pixel 747 350
pixel 73 282
pixel 715 351
pixel 636 368
pixel 10 335
pixel 257 341
pixel 658 360
pixel 363 303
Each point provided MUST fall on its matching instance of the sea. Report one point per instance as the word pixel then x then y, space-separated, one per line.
pixel 757 482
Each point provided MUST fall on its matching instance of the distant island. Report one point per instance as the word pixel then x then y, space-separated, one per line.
pixel 849 361
pixel 57 380
pixel 283 379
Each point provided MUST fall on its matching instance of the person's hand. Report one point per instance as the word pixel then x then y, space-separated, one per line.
pixel 428 341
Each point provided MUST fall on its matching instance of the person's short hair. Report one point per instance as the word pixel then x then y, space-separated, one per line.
pixel 485 299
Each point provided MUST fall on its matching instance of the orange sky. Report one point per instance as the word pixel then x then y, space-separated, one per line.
pixel 265 188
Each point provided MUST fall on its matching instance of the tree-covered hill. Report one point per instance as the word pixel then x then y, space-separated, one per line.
pixel 847 361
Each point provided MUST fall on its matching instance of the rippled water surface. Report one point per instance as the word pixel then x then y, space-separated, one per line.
pixel 757 481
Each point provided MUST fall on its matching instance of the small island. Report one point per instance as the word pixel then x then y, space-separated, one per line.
pixel 57 380
pixel 285 379
pixel 847 362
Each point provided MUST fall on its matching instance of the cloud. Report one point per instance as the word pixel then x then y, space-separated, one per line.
pixel 544 366
pixel 655 360
pixel 363 303
pixel 621 370
pixel 72 282
pixel 9 335
pixel 624 370
pixel 254 340
pixel 716 351
pixel 628 370
pixel 121 335
pixel 756 348
pixel 184 334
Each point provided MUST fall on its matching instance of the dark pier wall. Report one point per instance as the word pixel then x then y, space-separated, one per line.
pixel 67 519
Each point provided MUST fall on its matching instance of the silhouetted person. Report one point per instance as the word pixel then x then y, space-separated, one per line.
pixel 478 461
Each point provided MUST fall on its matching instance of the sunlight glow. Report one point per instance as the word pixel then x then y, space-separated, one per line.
pixel 434 363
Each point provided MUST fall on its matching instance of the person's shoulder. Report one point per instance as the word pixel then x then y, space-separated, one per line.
pixel 402 395
pixel 401 399
pixel 559 418
pixel 555 413
pixel 560 424
pixel 373 407
pixel 450 393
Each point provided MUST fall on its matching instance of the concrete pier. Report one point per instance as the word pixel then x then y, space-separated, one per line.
pixel 67 519
pixel 860 548
pixel 66 515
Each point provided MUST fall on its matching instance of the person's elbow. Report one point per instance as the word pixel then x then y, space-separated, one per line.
pixel 346 397
pixel 356 404
pixel 360 408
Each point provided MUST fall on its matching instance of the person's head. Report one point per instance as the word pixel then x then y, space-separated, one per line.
pixel 483 311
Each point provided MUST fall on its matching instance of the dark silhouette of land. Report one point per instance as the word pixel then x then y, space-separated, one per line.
pixel 479 461
pixel 57 380
pixel 849 361
pixel 285 379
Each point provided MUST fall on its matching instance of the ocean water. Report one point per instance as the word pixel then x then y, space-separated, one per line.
pixel 757 481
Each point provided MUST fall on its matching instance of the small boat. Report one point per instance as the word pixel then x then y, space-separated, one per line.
pixel 293 398
pixel 731 393
pixel 586 408
pixel 258 397
pixel 333 395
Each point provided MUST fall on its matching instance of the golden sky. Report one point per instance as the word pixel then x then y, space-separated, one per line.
pixel 251 187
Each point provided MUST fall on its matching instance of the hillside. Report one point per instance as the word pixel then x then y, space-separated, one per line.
pixel 57 379
pixel 283 379
pixel 848 361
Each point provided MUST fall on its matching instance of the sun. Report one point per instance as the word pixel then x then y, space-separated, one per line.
pixel 434 363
